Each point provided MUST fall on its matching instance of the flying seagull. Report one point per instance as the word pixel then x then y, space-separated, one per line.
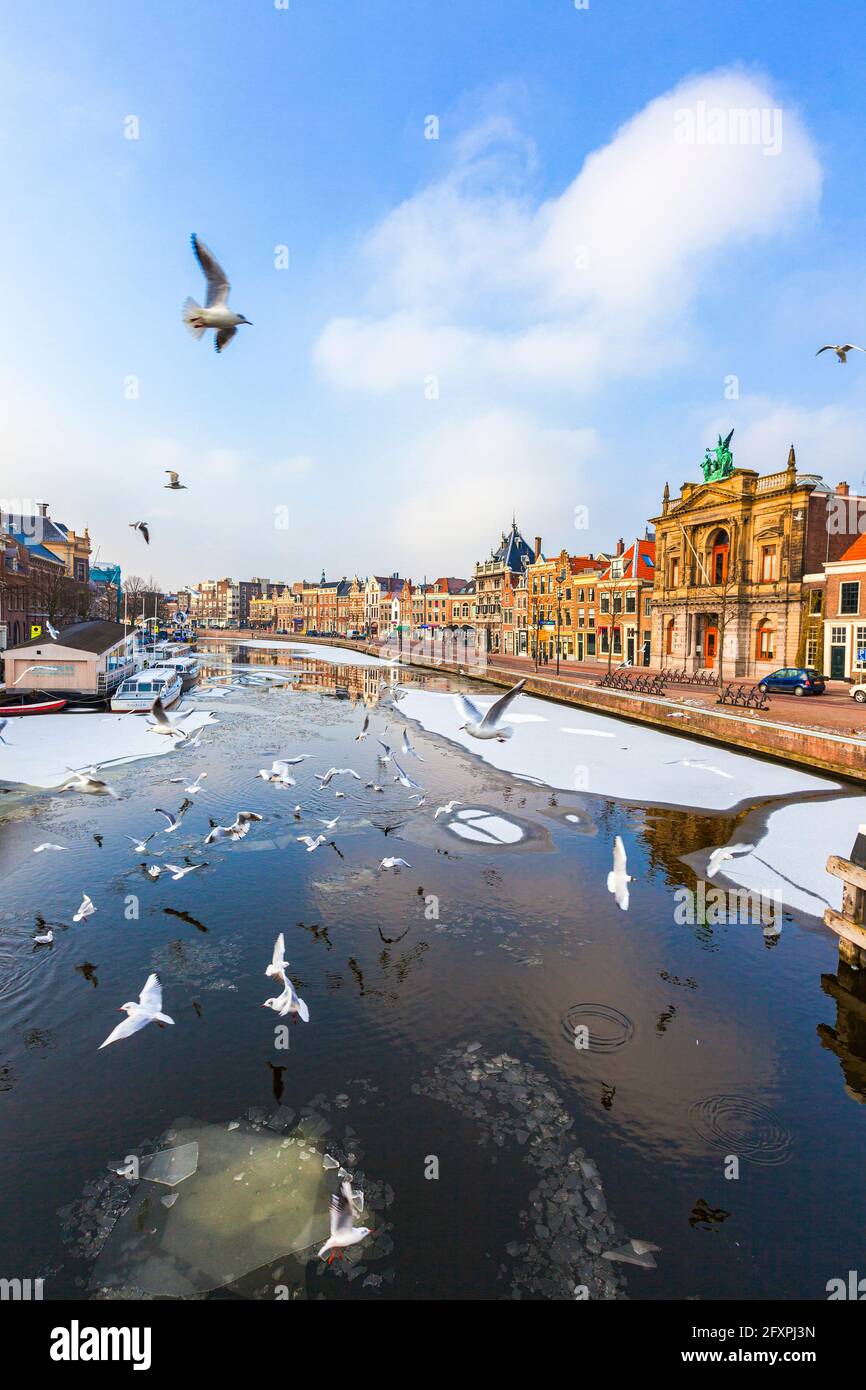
pixel 718 856
pixel 178 873
pixel 162 724
pixel 216 312
pixel 395 864
pixel 279 773
pixel 86 909
pixel 173 821
pixel 407 748
pixel 88 782
pixel 619 878
pixel 343 1231
pixel 489 724
pixel 325 777
pixel 147 1010
pixel 289 1001
pixel 364 729
pixel 841 350
pixel 140 846
pixel 173 485
pixel 142 527
pixel 194 787
pixel 403 777
pixel 47 845
pixel 446 809
pixel 310 842
pixel 52 630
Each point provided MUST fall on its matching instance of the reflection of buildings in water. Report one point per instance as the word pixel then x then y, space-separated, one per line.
pixel 344 682
pixel 848 1039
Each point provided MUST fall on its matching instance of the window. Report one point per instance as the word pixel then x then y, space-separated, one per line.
pixel 568 596
pixel 647 607
pixel 849 597
pixel 811 650
pixel 765 646
pixel 816 601
pixel 769 563
pixel 592 617
pixel 580 596
pixel 617 641
pixel 590 644
pixel 838 635
pixel 617 603
pixel 605 642
pixel 591 595
pixel 674 572
pixel 631 603
pixel 669 637
pixel 605 603
pixel 860 649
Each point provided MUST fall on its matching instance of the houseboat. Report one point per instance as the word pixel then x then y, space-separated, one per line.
pixel 83 665
pixel 137 694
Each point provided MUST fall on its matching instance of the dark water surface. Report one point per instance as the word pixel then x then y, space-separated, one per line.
pixel 709 1041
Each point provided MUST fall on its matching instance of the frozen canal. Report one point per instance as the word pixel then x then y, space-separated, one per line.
pixel 439 1066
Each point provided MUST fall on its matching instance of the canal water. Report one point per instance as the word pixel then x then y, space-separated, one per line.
pixel 716 1111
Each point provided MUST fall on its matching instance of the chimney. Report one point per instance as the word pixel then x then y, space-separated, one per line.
pixel 841 489
pixel 43 509
pixel 620 546
pixel 538 547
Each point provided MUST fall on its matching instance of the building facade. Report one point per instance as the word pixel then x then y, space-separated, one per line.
pixel 510 557
pixel 732 554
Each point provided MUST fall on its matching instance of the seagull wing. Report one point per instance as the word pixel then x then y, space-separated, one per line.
pixel 131 1024
pixel 471 713
pixel 619 859
pixel 223 337
pixel 159 812
pixel 217 282
pixel 157 709
pixel 278 960
pixel 341 1214
pixel 150 998
pixel 499 707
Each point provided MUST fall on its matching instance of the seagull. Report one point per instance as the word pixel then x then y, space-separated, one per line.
pixel 216 312
pixel 310 842
pixel 343 1232
pixel 389 752
pixel 718 856
pixel 619 879
pixel 841 350
pixel 279 773
pixel 88 782
pixel 194 787
pixel 373 787
pixel 489 725
pixel 293 762
pixel 178 873
pixel 174 485
pixel 173 821
pixel 153 871
pixel 52 630
pixel 289 1001
pixel 325 777
pixel 86 909
pixel 140 846
pixel 147 1010
pixel 446 809
pixel 47 845
pixel 44 939
pixel 407 748
pixel 279 964
pixel 395 864
pixel 329 824
pixel 142 527
pixel 405 779
pixel 364 729
pixel 163 724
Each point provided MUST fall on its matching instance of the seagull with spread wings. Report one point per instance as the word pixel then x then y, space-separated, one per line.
pixel 147 1010
pixel 216 312
pixel 841 350
pixel 489 724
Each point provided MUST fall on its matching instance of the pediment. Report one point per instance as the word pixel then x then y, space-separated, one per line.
pixel 705 496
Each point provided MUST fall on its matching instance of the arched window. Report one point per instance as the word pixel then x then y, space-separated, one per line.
pixel 669 637
pixel 719 548
pixel 765 642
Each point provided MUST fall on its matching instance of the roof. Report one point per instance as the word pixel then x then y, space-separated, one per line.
pixel 641 567
pixel 96 636
pixel 35 548
pixel 513 551
pixel 855 551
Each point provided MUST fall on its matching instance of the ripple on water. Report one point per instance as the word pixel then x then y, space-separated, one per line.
pixel 742 1127
pixel 608 1028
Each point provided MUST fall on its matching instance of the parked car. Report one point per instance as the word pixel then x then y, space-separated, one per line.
pixel 858 693
pixel 794 680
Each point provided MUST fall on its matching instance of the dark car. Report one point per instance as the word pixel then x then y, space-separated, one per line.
pixel 794 680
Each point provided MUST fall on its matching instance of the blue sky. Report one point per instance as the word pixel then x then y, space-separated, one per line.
pixel 541 310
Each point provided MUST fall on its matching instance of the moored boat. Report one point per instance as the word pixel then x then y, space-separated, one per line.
pixel 137 693
pixel 36 707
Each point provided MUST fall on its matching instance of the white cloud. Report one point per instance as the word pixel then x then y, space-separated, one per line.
pixel 470 278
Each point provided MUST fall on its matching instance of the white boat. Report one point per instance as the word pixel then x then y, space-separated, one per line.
pixel 137 693
pixel 185 666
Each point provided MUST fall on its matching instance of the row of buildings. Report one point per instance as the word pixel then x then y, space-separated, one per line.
pixel 740 571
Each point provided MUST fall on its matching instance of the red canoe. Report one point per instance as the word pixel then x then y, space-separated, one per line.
pixel 45 707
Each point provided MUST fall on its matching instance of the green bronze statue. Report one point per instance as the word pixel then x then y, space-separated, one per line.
pixel 719 462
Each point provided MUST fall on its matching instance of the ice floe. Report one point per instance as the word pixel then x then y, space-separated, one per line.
pixel 342 656
pixel 40 750
pixel 789 860
pixel 486 828
pixel 629 761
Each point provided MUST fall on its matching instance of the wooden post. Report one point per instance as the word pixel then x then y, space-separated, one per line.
pixel 850 924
